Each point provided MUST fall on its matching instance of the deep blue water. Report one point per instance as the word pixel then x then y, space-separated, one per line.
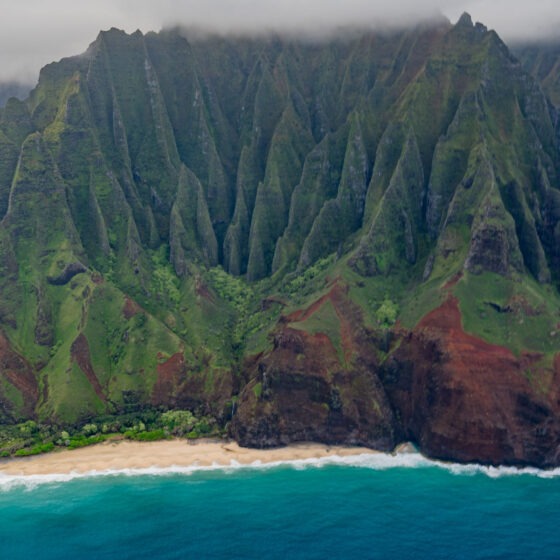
pixel 375 510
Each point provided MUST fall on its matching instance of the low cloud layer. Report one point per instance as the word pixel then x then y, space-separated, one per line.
pixel 34 32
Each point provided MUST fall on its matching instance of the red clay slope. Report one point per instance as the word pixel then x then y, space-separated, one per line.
pixel 81 355
pixel 461 398
pixel 19 373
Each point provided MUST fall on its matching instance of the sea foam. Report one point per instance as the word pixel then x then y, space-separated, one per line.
pixel 372 461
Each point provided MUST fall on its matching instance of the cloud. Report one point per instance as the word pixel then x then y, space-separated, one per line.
pixel 36 32
pixel 296 15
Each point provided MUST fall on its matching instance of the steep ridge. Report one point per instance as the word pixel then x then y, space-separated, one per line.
pixel 301 238
pixel 542 60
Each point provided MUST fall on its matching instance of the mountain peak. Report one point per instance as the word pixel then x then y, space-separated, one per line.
pixel 465 20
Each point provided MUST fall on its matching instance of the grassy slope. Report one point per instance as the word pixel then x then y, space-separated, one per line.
pixel 319 159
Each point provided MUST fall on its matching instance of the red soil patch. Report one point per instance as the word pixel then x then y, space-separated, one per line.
pixel 173 367
pixel 555 384
pixel 348 321
pixel 303 314
pixel 557 364
pixel 470 400
pixel 81 355
pixel 296 350
pixel 130 308
pixel 453 281
pixel 320 350
pixel 170 374
pixel 348 315
pixel 201 289
pixel 181 385
pixel 19 373
pixel 446 322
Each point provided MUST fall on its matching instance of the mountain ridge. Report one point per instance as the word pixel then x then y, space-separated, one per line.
pixel 170 207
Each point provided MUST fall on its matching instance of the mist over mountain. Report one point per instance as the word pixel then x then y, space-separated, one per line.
pixel 13 89
pixel 34 33
pixel 350 240
pixel 541 59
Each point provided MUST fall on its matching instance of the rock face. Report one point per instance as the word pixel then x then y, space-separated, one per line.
pixel 305 389
pixel 454 395
pixel 463 399
pixel 351 240
pixel 69 271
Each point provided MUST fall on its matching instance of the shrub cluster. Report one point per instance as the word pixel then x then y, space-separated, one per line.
pixel 31 438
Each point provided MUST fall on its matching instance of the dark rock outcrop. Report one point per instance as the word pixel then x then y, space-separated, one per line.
pixel 462 399
pixel 312 387
pixel 206 391
pixel 454 395
pixel 301 392
pixel 69 271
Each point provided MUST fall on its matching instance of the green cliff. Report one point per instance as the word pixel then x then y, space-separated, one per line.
pixel 350 240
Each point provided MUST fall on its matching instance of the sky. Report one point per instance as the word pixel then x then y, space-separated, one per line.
pixel 36 32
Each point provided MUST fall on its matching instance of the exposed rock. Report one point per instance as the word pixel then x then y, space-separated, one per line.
pixel 300 392
pixel 203 389
pixel 462 399
pixel 69 271
pixel 465 20
pixel 305 390
pixel 452 394
pixel 489 250
pixel 130 308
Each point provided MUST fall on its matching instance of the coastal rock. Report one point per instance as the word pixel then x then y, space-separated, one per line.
pixel 451 394
pixel 301 391
pixel 205 390
pixel 462 399
pixel 317 386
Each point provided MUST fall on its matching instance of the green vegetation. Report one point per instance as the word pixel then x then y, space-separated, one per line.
pixel 178 422
pixel 82 441
pixel 164 280
pixel 325 321
pixel 308 280
pixel 387 313
pixel 518 315
pixel 153 435
pixel 31 438
pixel 35 450
pixel 166 206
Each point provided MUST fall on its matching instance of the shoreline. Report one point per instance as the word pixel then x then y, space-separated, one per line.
pixel 120 455
pixel 126 457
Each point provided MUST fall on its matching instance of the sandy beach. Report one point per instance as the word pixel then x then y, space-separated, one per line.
pixel 120 455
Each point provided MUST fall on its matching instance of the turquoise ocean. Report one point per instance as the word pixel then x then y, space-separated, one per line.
pixel 380 506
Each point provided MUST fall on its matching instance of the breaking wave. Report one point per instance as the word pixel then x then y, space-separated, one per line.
pixel 376 462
